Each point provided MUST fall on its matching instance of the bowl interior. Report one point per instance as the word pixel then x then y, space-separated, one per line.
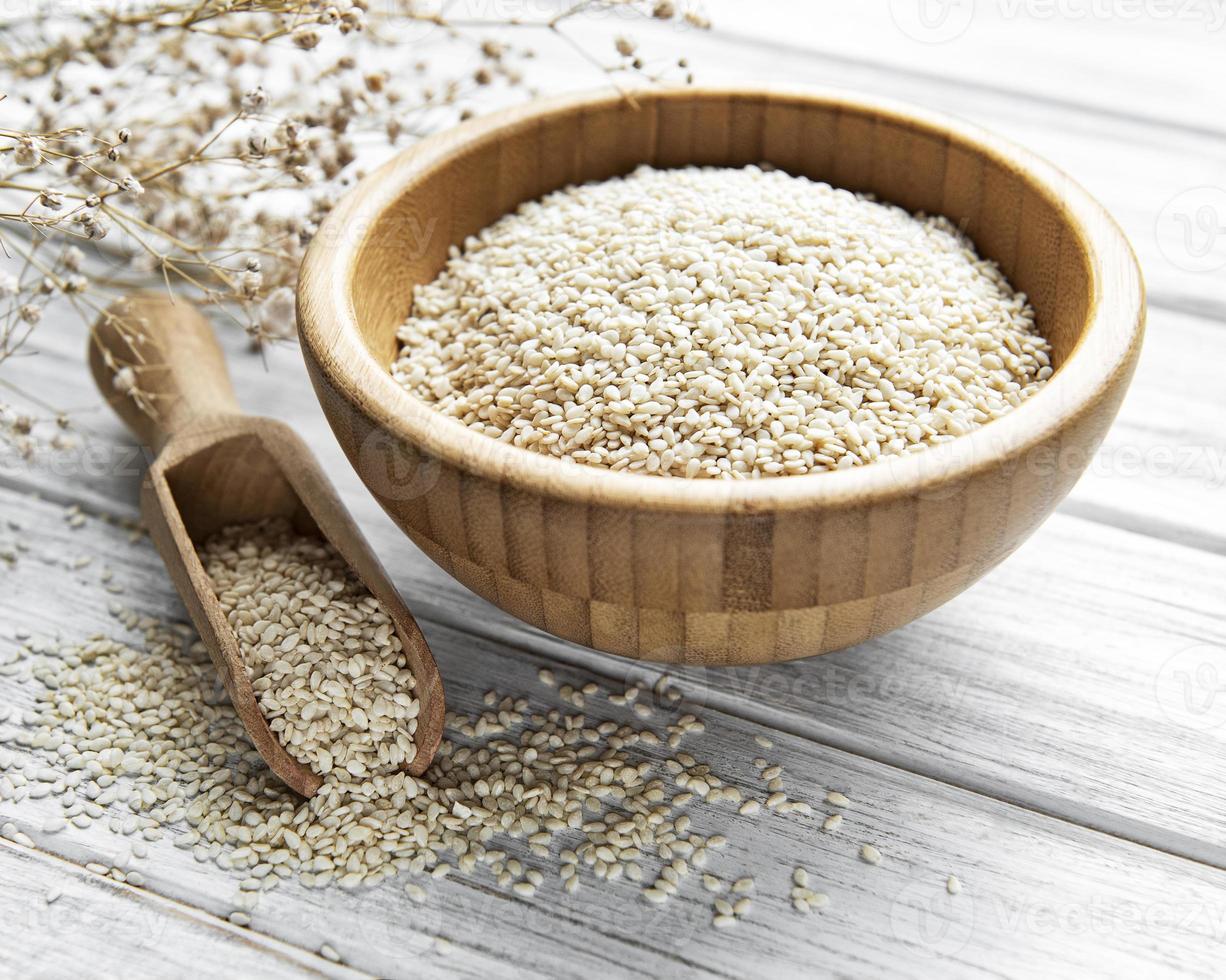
pixel 1010 215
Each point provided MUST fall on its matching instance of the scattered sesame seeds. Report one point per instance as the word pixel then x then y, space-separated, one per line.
pixel 764 742
pixel 328 953
pixel 835 798
pixel 953 885
pixel 832 822
pixel 870 854
pixel 183 760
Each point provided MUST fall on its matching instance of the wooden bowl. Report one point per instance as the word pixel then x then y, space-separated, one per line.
pixel 705 571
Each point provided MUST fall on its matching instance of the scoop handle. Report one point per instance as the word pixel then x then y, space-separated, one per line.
pixel 177 369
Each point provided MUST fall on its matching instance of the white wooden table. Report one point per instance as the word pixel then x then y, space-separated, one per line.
pixel 1053 737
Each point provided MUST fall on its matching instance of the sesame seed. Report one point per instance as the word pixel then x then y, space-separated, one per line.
pixel 596 325
pixel 870 854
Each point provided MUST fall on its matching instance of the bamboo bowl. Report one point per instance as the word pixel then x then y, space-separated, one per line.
pixel 718 572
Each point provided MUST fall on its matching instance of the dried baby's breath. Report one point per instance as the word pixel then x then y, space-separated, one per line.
pixel 195 145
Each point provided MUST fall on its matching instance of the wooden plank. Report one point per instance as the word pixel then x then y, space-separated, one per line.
pixel 1140 168
pixel 1031 883
pixel 1166 56
pixel 60 918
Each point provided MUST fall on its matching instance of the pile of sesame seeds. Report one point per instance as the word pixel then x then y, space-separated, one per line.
pixel 720 323
pixel 325 661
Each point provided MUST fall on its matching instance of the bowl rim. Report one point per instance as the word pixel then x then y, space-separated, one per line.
pixel 1102 357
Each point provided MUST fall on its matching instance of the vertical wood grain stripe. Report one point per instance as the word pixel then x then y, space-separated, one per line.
pixel 748 565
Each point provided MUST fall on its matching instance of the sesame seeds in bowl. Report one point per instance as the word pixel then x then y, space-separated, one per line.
pixel 719 323
pixel 713 569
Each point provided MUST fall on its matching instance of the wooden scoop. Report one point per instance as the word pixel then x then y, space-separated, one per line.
pixel 215 467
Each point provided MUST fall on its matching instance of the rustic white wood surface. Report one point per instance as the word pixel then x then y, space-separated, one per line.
pixel 1051 737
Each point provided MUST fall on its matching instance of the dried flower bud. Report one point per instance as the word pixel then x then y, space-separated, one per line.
pixel 493 49
pixel 76 284
pixel 277 311
pixel 124 381
pixel 695 19
pixel 250 284
pixel 112 154
pixel 257 145
pixel 94 226
pixel 306 38
pixel 252 264
pixel 482 76
pixel 664 9
pixel 254 100
pixel 61 442
pixel 28 152
pixel 9 285
pixel 93 201
pixel 22 424
pixel 46 286
pixel 625 47
pixel 51 199
pixel 31 314
pixel 124 135
pixel 72 258
pixel 132 186
pixel 375 81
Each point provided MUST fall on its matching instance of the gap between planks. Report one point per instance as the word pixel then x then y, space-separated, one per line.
pixel 295 956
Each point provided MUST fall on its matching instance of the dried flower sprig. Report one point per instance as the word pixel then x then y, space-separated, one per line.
pixel 198 143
